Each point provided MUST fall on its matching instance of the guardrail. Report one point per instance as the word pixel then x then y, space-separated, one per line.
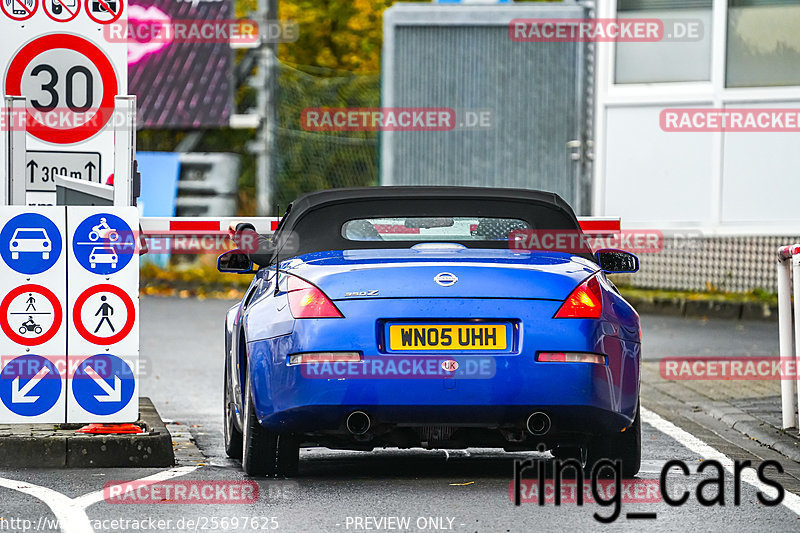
pixel 789 330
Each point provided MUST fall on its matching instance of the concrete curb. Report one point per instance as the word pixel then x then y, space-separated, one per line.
pixel 48 446
pixel 704 308
pixel 768 435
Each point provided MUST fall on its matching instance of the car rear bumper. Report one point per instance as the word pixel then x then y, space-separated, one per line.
pixel 578 397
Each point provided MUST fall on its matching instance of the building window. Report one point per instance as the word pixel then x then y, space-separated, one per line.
pixel 763 43
pixel 671 59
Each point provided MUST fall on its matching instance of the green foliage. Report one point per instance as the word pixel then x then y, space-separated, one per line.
pixel 334 63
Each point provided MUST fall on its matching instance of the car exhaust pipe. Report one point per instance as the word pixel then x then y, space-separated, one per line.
pixel 538 423
pixel 358 422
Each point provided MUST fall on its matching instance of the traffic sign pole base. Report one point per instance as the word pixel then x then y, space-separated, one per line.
pixel 110 429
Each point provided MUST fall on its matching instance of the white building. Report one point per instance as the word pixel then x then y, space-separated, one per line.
pixel 722 183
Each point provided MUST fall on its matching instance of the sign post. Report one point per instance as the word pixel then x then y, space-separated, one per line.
pixel 33 364
pixel 69 314
pixel 103 297
pixel 56 57
pixel 15 154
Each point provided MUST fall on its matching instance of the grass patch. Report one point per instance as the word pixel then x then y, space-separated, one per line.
pixel 196 279
pixel 756 295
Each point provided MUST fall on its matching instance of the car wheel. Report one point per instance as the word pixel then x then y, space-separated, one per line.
pixel 288 455
pixel 259 446
pixel 45 255
pixel 625 446
pixel 233 437
pixel 14 255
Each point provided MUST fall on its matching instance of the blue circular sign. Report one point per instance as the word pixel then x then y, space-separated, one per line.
pixel 30 243
pixel 103 384
pixel 30 385
pixel 103 244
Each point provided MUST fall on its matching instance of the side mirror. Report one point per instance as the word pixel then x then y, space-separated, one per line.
pixel 235 262
pixel 616 261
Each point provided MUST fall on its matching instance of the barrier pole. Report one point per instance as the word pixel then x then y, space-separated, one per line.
pixel 796 285
pixel 16 153
pixel 788 407
pixel 124 149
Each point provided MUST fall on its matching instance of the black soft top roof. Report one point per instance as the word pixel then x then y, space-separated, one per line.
pixel 312 200
pixel 313 222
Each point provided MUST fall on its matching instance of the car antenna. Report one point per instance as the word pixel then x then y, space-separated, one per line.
pixel 277 250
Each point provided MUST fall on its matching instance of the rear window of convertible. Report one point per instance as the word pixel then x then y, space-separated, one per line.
pixel 431 229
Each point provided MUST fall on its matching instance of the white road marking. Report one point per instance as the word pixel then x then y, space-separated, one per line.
pixel 790 500
pixel 71 518
pixel 71 512
pixel 93 497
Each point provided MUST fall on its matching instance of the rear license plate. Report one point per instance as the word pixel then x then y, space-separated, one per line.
pixel 488 337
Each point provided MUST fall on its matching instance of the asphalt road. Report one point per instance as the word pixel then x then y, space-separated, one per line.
pixel 431 490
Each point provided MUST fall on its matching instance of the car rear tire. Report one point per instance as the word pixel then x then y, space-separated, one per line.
pixel 288 455
pixel 259 446
pixel 625 446
pixel 233 437
pixel 265 453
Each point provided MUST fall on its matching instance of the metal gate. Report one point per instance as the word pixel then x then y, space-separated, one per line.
pixel 462 57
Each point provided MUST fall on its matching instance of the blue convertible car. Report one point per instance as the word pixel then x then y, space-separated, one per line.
pixel 410 317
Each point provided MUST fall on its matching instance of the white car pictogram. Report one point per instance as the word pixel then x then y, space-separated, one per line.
pixel 103 254
pixel 34 240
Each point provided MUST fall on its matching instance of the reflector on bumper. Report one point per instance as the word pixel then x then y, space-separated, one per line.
pixel 324 357
pixel 570 357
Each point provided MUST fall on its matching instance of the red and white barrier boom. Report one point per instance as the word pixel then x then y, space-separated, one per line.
pixel 788 267
pixel 266 225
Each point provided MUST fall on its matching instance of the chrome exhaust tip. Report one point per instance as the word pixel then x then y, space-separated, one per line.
pixel 538 423
pixel 358 422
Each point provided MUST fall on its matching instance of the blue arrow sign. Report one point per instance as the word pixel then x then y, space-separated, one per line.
pixel 30 243
pixel 103 384
pixel 103 244
pixel 30 385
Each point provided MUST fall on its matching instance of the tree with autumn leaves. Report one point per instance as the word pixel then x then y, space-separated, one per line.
pixel 335 34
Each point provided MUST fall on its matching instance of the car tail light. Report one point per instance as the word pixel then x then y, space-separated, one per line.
pixel 324 357
pixel 308 301
pixel 586 301
pixel 570 357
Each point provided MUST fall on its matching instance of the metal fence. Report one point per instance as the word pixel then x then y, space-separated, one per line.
pixel 696 263
pixel 462 58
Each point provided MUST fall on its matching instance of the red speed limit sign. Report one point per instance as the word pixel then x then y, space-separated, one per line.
pixel 70 85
